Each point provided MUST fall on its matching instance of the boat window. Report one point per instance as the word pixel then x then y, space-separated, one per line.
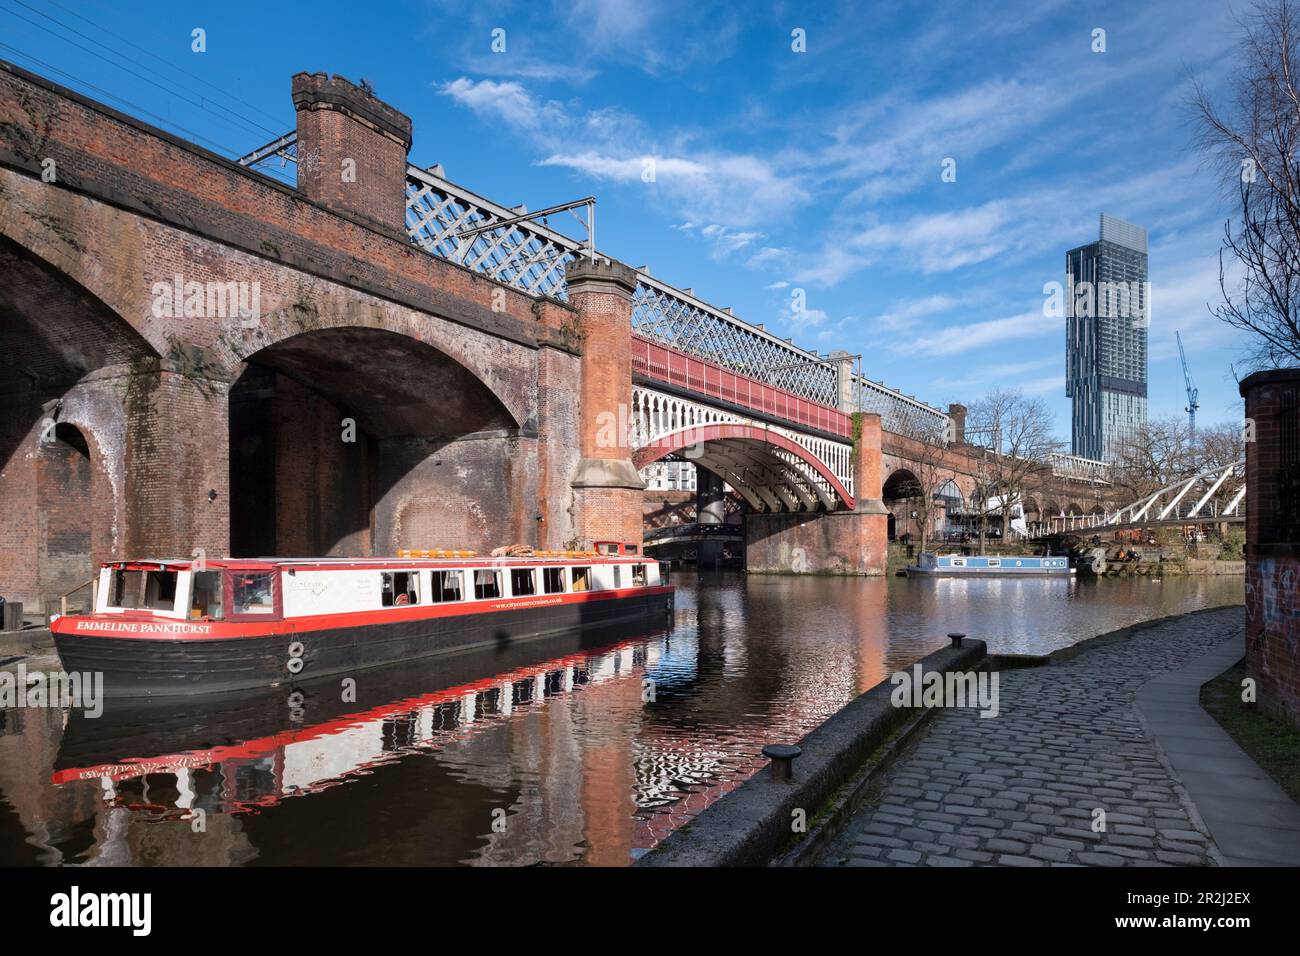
pixel 400 588
pixel 995 562
pixel 582 579
pixel 630 549
pixel 638 575
pixel 446 586
pixel 553 580
pixel 522 582
pixel 487 584
pixel 154 590
pixel 959 562
pixel 252 593
pixel 205 595
pixel 618 575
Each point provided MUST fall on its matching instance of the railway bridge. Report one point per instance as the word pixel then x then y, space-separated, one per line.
pixel 197 357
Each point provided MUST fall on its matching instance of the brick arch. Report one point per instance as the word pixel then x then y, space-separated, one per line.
pixel 758 496
pixel 505 370
pixel 125 260
pixel 64 510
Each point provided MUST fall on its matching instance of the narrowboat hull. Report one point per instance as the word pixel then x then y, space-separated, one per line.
pixel 195 663
pixel 945 566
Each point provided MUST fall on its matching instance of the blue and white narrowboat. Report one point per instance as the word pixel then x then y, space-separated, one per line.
pixel 955 565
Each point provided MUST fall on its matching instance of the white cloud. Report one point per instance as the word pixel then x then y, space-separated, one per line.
pixel 506 101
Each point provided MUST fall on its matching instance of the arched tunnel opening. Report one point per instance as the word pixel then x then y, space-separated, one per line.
pixel 899 492
pixel 357 441
pixel 63 353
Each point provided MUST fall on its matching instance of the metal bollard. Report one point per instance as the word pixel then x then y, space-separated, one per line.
pixel 782 757
pixel 956 639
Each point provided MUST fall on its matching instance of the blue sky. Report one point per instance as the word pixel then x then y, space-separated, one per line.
pixel 774 170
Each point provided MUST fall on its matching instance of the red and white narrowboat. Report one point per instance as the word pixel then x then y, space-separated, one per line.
pixel 162 627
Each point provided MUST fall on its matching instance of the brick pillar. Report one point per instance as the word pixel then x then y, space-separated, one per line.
pixel 606 486
pixel 958 415
pixel 351 150
pixel 866 465
pixel 1273 539
pixel 845 393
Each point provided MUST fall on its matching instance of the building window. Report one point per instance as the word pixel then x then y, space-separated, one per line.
pixel 553 580
pixel 400 588
pixel 446 586
pixel 487 584
pixel 582 579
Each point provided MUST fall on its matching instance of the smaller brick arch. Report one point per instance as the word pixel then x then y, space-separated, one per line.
pixel 759 445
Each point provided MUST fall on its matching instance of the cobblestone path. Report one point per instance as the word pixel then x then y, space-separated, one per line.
pixel 1020 789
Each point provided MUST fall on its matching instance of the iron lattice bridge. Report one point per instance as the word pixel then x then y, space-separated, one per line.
pixel 678 340
pixel 1214 496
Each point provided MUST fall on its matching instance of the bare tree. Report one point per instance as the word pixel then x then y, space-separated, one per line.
pixel 1153 455
pixel 1254 146
pixel 928 462
pixel 1016 436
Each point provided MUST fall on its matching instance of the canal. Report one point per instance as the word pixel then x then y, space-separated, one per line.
pixel 581 749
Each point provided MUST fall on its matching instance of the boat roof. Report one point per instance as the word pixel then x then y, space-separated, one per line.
pixel 477 560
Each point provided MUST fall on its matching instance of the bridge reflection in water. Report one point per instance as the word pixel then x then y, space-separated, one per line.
pixel 550 752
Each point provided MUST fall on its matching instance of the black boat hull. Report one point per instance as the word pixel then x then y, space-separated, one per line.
pixel 166 666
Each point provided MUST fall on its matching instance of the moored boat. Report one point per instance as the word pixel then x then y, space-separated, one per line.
pixel 930 564
pixel 162 627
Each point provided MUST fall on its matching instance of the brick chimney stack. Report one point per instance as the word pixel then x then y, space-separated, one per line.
pixel 351 149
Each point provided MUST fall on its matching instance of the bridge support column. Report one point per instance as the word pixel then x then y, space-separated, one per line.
pixel 832 542
pixel 1273 539
pixel 607 489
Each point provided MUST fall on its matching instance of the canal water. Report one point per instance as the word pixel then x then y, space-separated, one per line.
pixel 584 749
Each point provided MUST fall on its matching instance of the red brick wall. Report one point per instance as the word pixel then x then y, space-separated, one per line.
pixel 1273 540
pixel 837 542
pixel 351 149
pixel 133 207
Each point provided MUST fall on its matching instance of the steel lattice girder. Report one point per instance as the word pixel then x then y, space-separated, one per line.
pixel 532 257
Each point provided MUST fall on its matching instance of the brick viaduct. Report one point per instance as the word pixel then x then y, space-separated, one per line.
pixel 373 397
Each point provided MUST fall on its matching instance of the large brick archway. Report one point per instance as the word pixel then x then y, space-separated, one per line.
pixel 358 440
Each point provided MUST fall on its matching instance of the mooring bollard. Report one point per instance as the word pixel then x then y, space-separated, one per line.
pixel 956 639
pixel 782 757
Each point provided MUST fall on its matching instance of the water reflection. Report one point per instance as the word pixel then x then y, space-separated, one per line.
pixel 576 749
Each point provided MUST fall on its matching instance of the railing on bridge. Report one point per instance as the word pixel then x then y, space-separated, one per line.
pixel 532 256
pixel 1083 469
pixel 1216 495
pixel 671 367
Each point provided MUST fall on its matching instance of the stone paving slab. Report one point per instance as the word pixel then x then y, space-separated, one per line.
pixel 1252 820
pixel 1021 789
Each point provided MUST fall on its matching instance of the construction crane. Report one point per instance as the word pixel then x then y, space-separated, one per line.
pixel 1192 403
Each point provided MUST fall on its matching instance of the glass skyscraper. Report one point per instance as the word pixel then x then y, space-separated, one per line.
pixel 1107 299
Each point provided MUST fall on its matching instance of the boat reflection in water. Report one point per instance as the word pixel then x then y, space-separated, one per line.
pixel 187 763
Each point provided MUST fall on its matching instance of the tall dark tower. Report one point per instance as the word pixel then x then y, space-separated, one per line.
pixel 1106 318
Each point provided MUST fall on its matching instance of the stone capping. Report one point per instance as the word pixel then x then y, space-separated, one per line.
pixel 600 275
pixel 313 91
pixel 607 473
pixel 1271 376
pixel 751 825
